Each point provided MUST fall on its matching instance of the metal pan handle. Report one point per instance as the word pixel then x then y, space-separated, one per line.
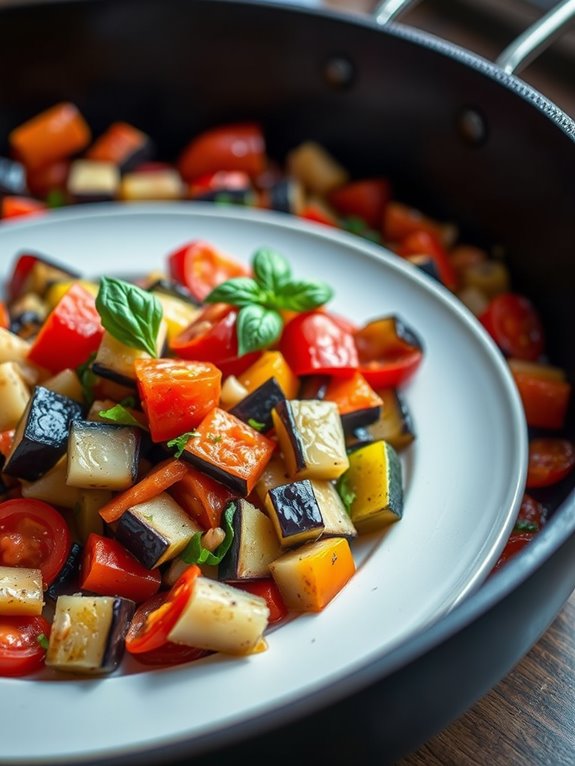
pixel 518 54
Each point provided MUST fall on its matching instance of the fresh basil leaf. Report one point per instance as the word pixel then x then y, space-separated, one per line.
pixel 42 640
pixel 300 295
pixel 180 442
pixel 256 425
pixel 87 378
pixel 345 491
pixel 240 291
pixel 195 553
pixel 271 270
pixel 132 315
pixel 119 414
pixel 257 327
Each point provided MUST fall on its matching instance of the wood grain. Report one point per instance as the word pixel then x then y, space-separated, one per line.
pixel 528 718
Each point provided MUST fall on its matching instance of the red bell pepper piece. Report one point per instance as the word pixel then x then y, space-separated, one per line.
pixel 389 352
pixel 550 461
pixel 4 316
pixel 229 450
pixel 54 134
pixel 545 400
pixel 71 333
pixel 212 338
pixel 314 343
pixel 108 569
pixel 176 394
pixel 20 207
pixel 514 324
pixel 202 497
pixel 238 146
pixel 423 242
pixel 268 590
pixel 366 199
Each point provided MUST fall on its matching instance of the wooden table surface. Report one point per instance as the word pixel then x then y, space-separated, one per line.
pixel 528 719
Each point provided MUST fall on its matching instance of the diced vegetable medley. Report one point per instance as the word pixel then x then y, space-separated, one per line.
pixel 188 460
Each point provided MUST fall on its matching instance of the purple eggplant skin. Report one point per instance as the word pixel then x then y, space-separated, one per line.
pixel 45 435
pixel 105 372
pixel 259 404
pixel 122 613
pixel 171 287
pixel 284 411
pixel 67 579
pixel 296 508
pixel 237 485
pixel 142 541
pixel 351 421
pixel 313 386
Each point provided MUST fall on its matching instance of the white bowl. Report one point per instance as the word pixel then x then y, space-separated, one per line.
pixel 464 478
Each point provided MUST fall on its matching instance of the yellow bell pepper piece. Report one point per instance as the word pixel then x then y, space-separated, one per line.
pixel 271 364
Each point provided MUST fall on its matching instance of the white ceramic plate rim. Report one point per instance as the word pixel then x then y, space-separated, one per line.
pixel 313 651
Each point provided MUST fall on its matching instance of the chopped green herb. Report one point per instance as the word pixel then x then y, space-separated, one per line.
pixel 195 553
pixel 523 525
pixel 128 401
pixel 256 424
pixel 87 379
pixel 55 198
pixel 180 442
pixel 215 438
pixel 42 640
pixel 345 492
pixel 119 414
pixel 132 315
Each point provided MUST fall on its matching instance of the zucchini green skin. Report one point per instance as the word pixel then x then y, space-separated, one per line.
pixel 42 438
pixel 259 404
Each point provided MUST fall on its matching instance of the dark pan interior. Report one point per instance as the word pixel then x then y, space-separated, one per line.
pixel 456 137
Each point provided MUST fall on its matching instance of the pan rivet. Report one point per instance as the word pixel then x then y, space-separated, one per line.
pixel 339 72
pixel 472 126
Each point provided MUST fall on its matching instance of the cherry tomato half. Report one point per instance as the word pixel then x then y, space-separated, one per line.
pixel 517 542
pixel 389 352
pixel 153 632
pixel 21 639
pixel 237 146
pixel 550 460
pixel 212 338
pixel 514 324
pixel 200 267
pixel 532 515
pixel 33 534
pixel 314 343
pixel 167 654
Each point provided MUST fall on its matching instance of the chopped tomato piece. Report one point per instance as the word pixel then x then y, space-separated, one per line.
pixel 160 478
pixel 153 632
pixel 532 515
pixel 317 211
pixel 168 653
pixel 202 497
pixel 365 198
pixel 176 394
pixel 212 338
pixel 268 590
pixel 514 324
pixel 49 178
pixel 220 181
pixel 22 644
pixel 238 146
pixel 313 343
pixel 34 535
pixel 108 569
pixel 122 144
pixel 517 542
pixel 545 400
pixel 400 220
pixel 6 438
pixel 71 333
pixel 52 135
pixel 352 394
pixel 229 450
pixel 550 461
pixel 200 267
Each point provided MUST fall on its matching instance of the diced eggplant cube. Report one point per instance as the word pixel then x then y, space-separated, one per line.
pixel 336 520
pixel 255 544
pixel 102 455
pixel 295 513
pixel 88 633
pixel 156 531
pixel 152 185
pixel 41 436
pixel 21 591
pixel 426 264
pixel 93 181
pixel 12 177
pixel 286 196
pixel 115 361
pixel 256 408
pixel 394 424
pixel 173 289
pixel 350 421
pixel 311 438
pixel 15 395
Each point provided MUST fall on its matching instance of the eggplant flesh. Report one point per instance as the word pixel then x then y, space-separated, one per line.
pixel 254 546
pixel 258 405
pixel 102 455
pixel 41 437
